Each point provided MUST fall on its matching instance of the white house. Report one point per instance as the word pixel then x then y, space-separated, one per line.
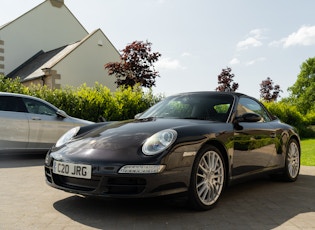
pixel 49 46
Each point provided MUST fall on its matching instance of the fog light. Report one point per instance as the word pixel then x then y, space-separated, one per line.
pixel 141 169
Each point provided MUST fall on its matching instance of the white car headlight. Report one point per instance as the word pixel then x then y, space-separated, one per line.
pixel 67 136
pixel 159 142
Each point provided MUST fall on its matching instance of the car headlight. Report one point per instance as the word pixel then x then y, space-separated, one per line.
pixel 67 136
pixel 159 142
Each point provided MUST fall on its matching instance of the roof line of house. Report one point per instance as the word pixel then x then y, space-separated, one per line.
pixel 71 48
pixel 40 57
pixel 12 73
pixel 80 43
pixel 75 18
pixel 110 42
pixel 74 46
pixel 5 25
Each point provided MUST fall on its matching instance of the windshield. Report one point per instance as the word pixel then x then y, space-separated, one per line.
pixel 201 106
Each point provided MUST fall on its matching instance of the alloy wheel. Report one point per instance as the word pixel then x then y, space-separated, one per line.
pixel 293 160
pixel 209 177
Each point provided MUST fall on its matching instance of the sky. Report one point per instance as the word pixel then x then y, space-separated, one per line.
pixel 257 39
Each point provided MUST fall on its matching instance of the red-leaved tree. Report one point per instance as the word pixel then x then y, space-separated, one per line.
pixel 269 92
pixel 225 81
pixel 136 65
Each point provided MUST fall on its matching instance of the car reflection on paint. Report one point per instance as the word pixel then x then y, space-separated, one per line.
pixel 193 143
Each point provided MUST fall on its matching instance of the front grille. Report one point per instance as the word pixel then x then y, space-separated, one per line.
pixel 124 185
pixel 77 183
pixel 101 185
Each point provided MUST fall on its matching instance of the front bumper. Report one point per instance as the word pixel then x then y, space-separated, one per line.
pixel 107 182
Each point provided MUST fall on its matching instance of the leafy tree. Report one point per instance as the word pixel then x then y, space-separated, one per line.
pixel 269 92
pixel 302 93
pixel 225 81
pixel 136 65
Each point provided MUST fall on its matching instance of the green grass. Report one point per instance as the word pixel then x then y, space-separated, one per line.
pixel 308 152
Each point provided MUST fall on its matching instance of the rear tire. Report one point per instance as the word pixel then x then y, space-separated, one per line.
pixel 292 161
pixel 207 179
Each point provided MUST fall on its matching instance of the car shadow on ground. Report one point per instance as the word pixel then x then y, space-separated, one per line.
pixel 259 204
pixel 21 160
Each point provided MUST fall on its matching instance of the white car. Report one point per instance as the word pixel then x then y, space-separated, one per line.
pixel 29 124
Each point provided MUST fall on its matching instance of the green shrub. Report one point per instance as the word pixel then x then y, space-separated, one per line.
pixel 89 103
pixel 12 85
pixel 290 114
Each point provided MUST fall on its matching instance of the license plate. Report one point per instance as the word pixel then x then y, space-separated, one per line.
pixel 72 170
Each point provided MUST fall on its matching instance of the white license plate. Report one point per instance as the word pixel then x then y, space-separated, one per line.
pixel 72 170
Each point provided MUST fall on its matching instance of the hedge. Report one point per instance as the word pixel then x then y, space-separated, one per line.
pixel 89 103
pixel 290 114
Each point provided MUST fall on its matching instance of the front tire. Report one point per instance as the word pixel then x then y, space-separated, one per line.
pixel 207 179
pixel 292 161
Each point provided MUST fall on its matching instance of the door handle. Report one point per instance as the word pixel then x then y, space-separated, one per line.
pixel 36 118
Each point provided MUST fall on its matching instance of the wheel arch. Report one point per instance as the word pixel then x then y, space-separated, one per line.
pixel 292 137
pixel 196 197
pixel 297 139
pixel 225 155
pixel 292 168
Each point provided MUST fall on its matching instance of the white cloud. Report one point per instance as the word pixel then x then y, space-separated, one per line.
pixel 235 61
pixel 256 33
pixel 252 40
pixel 249 42
pixel 168 63
pixel 305 36
pixel 254 61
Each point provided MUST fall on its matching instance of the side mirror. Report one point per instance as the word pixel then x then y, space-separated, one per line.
pixel 137 116
pixel 248 117
pixel 61 113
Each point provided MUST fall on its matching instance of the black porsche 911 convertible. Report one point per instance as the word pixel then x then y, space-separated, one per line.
pixel 191 143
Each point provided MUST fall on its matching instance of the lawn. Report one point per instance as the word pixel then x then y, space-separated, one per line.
pixel 308 152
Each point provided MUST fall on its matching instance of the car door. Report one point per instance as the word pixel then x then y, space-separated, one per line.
pixel 254 142
pixel 45 126
pixel 14 126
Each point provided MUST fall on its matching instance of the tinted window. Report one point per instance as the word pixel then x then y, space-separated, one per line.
pixel 193 106
pixel 248 105
pixel 37 107
pixel 12 104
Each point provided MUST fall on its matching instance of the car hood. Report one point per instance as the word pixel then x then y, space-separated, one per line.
pixel 126 133
pixel 122 141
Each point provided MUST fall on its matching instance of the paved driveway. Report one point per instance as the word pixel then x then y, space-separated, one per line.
pixel 26 202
